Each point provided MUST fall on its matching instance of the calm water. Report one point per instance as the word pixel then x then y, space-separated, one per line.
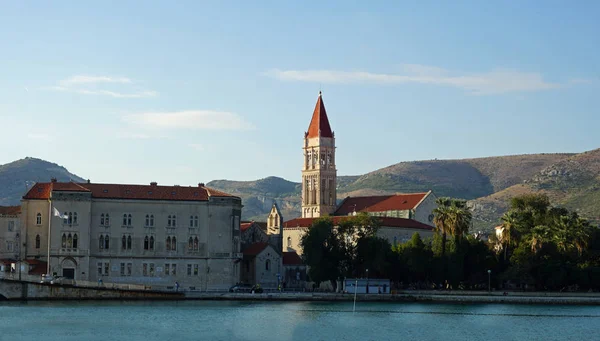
pixel 195 320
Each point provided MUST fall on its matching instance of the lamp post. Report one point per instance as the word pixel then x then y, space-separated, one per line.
pixel 367 281
pixel 489 281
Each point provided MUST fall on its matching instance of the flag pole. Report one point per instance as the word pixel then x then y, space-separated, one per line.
pixel 49 229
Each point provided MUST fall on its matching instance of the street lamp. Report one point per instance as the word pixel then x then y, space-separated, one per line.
pixel 367 281
pixel 490 281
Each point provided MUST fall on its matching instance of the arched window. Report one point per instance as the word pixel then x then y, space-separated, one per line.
pixel 70 221
pixel 106 242
pixel 173 244
pixel 147 220
pixel 101 242
pixel 38 219
pixel 151 243
pixel 146 242
pixel 190 244
pixel 64 240
pixel 129 220
pixel 195 221
pixel 75 218
pixel 191 221
pixel 123 243
pixel 102 219
pixel 196 244
pixel 152 220
pixel 37 241
pixel 75 239
pixel 174 220
pixel 169 221
pixel 124 219
pixel 128 242
pixel 168 244
pixel 66 218
pixel 106 220
pixel 289 241
pixel 268 265
pixel 69 241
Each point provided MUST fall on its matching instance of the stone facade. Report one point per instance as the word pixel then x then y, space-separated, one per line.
pixel 10 236
pixel 152 235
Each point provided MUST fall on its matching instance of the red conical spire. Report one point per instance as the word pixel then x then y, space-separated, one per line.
pixel 319 124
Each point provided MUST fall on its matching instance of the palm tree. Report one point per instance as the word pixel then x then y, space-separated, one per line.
pixel 442 219
pixel 510 221
pixel 461 219
pixel 539 236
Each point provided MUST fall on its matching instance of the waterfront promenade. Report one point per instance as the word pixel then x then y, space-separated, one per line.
pixel 457 297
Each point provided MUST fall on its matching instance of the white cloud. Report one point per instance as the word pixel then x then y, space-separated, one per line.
pixel 492 82
pixel 196 146
pixel 190 119
pixel 90 85
pixel 83 79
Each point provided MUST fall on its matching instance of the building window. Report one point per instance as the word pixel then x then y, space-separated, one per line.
pixel 70 219
pixel 69 241
pixel 106 220
pixel 122 269
pixel 172 221
pixel 106 268
pixel 102 221
pixel 38 219
pixel 151 242
pixel 196 244
pixel 169 221
pixel 64 241
pixel 149 220
pixel 124 219
pixel 289 242
pixel 75 241
pixel 74 218
pixel 168 244
pixel 189 269
pixel 167 270
pixel 173 244
pixel 100 269
pixel 144 269
pixel 146 242
pixel 101 242
pixel 9 246
pixel 129 220
pixel 151 268
pixel 190 244
pixel 196 271
pixel 129 266
pixel 11 226
pixel 106 242
pixel 37 241
pixel 66 218
pixel 268 265
pixel 124 243
pixel 194 221
pixel 128 242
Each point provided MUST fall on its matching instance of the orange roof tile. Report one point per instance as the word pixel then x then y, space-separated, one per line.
pixel 384 221
pixel 380 203
pixel 10 210
pixel 123 191
pixel 319 124
pixel 245 226
pixel 255 249
pixel 291 258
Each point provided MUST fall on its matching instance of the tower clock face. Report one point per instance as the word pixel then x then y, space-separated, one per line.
pixel 430 217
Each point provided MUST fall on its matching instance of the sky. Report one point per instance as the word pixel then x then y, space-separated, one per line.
pixel 188 92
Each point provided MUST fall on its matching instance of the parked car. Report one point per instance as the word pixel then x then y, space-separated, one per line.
pixel 241 288
pixel 52 279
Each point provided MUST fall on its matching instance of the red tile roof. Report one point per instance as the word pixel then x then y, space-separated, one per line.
pixel 380 203
pixel 122 191
pixel 255 249
pixel 319 124
pixel 384 221
pixel 245 226
pixel 10 210
pixel 291 258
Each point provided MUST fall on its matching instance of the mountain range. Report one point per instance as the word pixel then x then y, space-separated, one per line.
pixel 570 180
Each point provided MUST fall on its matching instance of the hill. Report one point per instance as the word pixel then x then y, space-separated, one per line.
pixel 468 179
pixel 16 177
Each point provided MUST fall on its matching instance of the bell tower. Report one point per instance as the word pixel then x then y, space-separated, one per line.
pixel 319 173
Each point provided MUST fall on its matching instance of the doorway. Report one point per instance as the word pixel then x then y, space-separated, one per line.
pixel 69 273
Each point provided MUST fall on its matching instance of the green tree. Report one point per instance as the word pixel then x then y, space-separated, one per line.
pixel 321 252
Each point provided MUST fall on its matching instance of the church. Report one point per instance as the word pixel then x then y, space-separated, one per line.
pixel 401 214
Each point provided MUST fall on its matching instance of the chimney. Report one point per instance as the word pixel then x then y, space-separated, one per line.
pixel 53 180
pixel 88 181
pixel 201 184
pixel 153 183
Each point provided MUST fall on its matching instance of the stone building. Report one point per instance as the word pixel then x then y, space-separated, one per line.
pixel 401 214
pixel 10 236
pixel 144 234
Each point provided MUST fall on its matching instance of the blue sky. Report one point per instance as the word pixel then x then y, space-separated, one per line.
pixel 133 92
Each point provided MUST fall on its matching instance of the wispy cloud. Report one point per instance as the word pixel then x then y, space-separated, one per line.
pixel 196 146
pixel 190 119
pixel 96 85
pixel 487 83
